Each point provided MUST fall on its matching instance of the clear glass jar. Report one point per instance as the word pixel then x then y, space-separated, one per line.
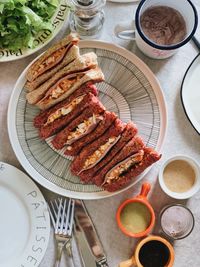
pixel 177 221
pixel 87 17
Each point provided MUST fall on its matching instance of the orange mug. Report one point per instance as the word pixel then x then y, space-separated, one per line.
pixel 165 253
pixel 142 199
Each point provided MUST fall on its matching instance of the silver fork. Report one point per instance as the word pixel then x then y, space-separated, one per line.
pixel 62 217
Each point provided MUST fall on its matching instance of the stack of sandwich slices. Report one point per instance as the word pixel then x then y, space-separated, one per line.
pixel 106 151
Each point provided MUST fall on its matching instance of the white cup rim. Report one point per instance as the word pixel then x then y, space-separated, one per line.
pixel 184 195
pixel 164 47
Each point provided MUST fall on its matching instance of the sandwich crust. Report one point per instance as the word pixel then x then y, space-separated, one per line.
pixel 75 148
pixel 94 108
pixel 71 83
pixel 58 124
pixel 41 119
pixel 40 95
pixel 113 132
pixel 71 55
pixel 46 62
pixel 132 147
pixel 129 132
pixel 150 157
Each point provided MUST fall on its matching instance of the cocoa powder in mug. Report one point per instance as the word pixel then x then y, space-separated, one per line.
pixel 163 25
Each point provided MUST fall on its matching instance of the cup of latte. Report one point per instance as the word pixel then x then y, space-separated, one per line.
pixel 161 27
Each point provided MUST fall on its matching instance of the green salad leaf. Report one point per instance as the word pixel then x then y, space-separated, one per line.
pixel 21 20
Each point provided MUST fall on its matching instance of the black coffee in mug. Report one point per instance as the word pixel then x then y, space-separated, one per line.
pixel 154 254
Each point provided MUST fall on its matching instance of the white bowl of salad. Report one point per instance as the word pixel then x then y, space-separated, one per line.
pixel 28 25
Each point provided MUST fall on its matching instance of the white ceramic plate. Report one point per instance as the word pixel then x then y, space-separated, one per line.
pixel 43 38
pixel 190 93
pixel 130 90
pixel 24 223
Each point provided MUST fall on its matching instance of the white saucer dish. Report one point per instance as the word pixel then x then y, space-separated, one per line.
pixel 25 224
pixel 194 189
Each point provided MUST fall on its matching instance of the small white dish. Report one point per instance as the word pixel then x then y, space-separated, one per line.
pixel 182 195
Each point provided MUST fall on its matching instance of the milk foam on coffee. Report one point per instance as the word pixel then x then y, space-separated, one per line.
pixel 163 25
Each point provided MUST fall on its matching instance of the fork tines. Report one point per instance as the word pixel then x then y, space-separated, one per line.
pixel 62 215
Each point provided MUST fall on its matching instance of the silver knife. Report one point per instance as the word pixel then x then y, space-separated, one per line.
pixel 89 245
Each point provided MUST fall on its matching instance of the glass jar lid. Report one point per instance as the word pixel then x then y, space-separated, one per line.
pixel 88 4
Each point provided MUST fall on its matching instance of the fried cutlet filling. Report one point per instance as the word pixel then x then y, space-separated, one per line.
pixel 83 128
pixel 100 152
pixel 122 167
pixel 50 61
pixel 62 86
pixel 64 110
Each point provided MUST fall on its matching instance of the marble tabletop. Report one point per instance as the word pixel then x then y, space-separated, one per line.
pixel 181 138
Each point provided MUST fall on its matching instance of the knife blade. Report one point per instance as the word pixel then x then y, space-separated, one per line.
pixel 89 245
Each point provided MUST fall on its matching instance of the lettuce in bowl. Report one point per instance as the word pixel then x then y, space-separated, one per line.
pixel 21 20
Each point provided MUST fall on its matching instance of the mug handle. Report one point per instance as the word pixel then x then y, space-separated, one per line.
pixel 146 187
pixel 125 33
pixel 128 263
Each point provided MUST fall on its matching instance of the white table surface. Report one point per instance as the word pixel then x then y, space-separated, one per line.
pixel 181 138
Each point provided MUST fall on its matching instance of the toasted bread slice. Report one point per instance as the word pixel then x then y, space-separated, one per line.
pixel 67 85
pixel 51 57
pixel 91 154
pixel 52 97
pixel 42 118
pixel 75 148
pixel 70 55
pixel 150 157
pixel 82 125
pixel 128 134
pixel 81 64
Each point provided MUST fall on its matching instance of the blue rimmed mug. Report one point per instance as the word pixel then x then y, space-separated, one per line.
pixel 150 48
